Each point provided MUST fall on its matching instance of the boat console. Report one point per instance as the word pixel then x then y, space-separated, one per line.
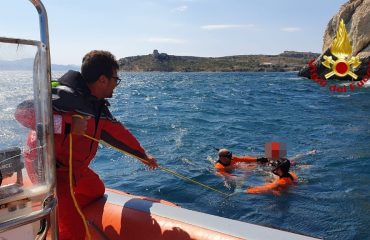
pixel 10 164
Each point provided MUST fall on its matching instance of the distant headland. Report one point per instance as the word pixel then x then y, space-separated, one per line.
pixel 27 64
pixel 162 62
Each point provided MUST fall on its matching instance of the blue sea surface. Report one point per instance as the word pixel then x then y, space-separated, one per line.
pixel 180 117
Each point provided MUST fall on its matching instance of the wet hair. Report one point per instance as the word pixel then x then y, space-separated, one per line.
pixel 97 63
pixel 283 164
pixel 225 153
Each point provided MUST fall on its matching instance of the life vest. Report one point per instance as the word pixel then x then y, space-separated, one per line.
pixel 70 97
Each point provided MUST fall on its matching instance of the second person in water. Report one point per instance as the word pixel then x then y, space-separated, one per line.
pixel 227 161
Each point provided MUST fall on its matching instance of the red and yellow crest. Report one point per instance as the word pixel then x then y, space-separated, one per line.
pixel 341 49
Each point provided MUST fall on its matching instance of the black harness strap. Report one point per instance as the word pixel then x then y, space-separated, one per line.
pixel 97 119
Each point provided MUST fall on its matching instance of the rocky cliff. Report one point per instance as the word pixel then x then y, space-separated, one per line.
pixel 356 17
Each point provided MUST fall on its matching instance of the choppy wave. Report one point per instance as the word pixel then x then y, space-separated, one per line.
pixel 180 117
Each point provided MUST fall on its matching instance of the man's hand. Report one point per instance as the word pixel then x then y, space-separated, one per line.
pixel 151 162
pixel 79 124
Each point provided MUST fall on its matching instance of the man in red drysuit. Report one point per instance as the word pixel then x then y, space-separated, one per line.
pixel 80 109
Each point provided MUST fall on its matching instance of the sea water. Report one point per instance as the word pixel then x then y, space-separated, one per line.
pixel 181 117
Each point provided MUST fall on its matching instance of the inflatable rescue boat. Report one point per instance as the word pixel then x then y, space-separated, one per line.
pixel 119 215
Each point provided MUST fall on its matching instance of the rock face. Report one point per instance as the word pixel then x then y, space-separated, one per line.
pixel 356 16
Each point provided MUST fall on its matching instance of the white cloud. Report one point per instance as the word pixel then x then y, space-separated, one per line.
pixel 182 8
pixel 165 40
pixel 291 29
pixel 226 26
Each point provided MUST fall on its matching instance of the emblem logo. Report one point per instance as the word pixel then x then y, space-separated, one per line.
pixel 340 64
pixel 341 49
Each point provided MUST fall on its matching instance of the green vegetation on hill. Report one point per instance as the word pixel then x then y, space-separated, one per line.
pixel 287 61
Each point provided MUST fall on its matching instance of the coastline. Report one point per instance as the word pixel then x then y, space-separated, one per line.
pixel 288 61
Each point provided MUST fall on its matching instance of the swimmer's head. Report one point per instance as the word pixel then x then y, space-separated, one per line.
pixel 281 167
pixel 225 156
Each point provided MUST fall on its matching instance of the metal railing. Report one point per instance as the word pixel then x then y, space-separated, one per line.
pixel 47 214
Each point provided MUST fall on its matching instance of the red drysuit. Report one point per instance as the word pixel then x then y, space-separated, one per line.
pixel 73 97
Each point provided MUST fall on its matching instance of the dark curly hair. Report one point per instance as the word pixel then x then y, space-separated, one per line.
pixel 97 63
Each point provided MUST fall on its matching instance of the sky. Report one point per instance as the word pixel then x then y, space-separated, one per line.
pixel 205 28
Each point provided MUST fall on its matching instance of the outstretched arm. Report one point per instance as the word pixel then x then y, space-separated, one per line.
pixel 116 135
pixel 263 189
pixel 244 159
pixel 275 186
pixel 250 159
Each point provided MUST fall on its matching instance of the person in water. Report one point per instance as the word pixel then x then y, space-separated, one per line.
pixel 80 107
pixel 285 178
pixel 227 161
